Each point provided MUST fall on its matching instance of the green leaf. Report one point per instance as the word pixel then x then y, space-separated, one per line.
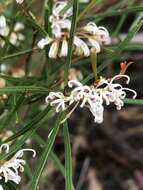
pixel 33 122
pixel 130 35
pixel 68 158
pixel 17 54
pixel 86 10
pixel 133 101
pixel 71 39
pixel 53 156
pixel 22 89
pixel 118 12
pixel 45 155
pixel 27 132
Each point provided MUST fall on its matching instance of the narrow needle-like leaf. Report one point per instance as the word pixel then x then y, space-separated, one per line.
pixel 68 159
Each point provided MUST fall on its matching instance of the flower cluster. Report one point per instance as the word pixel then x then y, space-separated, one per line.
pixel 87 37
pixel 93 97
pixel 9 170
pixel 15 36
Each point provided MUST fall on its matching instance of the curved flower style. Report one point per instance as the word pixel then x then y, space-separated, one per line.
pixel 56 99
pixel 92 97
pixel 114 93
pixel 97 35
pixel 81 47
pixel 80 92
pixel 9 170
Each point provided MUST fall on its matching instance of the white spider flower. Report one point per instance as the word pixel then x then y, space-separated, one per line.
pixel 60 20
pixel 9 170
pixel 114 92
pixel 59 25
pixel 56 99
pixel 92 97
pixel 97 35
pixel 59 6
pixel 55 48
pixel 19 1
pixel 44 41
pixel 81 92
pixel 81 47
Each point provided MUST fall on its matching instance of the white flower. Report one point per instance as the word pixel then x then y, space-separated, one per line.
pixel 114 92
pixel 93 43
pixel 2 22
pixel 92 97
pixel 9 170
pixel 59 26
pixel 97 110
pixel 64 49
pixel 19 26
pixel 80 92
pixel 56 99
pixel 44 41
pixel 13 38
pixel 60 20
pixel 81 47
pixel 59 7
pixel 19 1
pixel 91 27
pixel 16 36
pixel 54 47
pixel 97 35
pixel 4 29
pixel 53 52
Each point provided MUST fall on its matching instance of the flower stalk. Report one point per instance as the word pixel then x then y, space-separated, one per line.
pixel 94 63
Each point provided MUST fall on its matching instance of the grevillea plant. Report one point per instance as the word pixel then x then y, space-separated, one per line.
pixel 56 57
